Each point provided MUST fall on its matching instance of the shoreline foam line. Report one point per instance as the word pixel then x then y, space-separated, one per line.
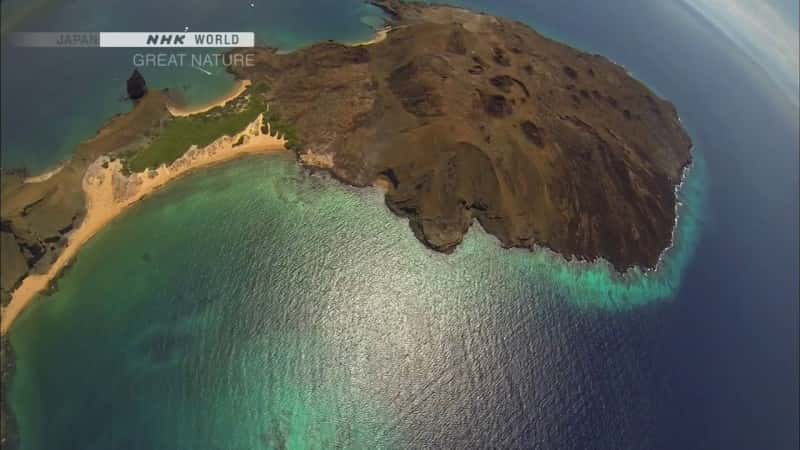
pixel 109 192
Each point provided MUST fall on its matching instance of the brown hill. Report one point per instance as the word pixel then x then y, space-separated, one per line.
pixel 469 116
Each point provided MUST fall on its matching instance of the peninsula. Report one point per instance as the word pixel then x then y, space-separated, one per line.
pixel 467 116
pixel 458 115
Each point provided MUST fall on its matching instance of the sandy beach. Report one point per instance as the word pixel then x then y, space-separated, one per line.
pixel 109 192
pixel 380 35
pixel 238 87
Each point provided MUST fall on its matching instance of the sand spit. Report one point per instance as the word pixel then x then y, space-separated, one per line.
pixel 109 192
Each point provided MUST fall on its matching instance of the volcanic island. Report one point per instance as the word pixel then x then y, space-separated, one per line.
pixel 458 115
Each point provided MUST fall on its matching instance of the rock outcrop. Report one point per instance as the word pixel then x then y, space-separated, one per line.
pixel 137 87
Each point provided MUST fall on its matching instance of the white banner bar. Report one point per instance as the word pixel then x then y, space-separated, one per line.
pixel 178 40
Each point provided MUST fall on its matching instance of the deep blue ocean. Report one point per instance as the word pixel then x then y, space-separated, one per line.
pixel 289 311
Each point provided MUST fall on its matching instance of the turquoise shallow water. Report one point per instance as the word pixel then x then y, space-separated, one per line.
pixel 164 335
pixel 251 306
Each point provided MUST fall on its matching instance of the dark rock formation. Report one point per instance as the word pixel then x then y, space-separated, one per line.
pixel 136 86
pixel 477 117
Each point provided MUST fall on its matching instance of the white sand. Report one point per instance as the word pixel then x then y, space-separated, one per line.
pixel 108 193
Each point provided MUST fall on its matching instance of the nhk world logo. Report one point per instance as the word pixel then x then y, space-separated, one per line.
pixel 182 40
pixel 137 40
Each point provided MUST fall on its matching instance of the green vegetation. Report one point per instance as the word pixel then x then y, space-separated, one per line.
pixel 278 126
pixel 180 133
